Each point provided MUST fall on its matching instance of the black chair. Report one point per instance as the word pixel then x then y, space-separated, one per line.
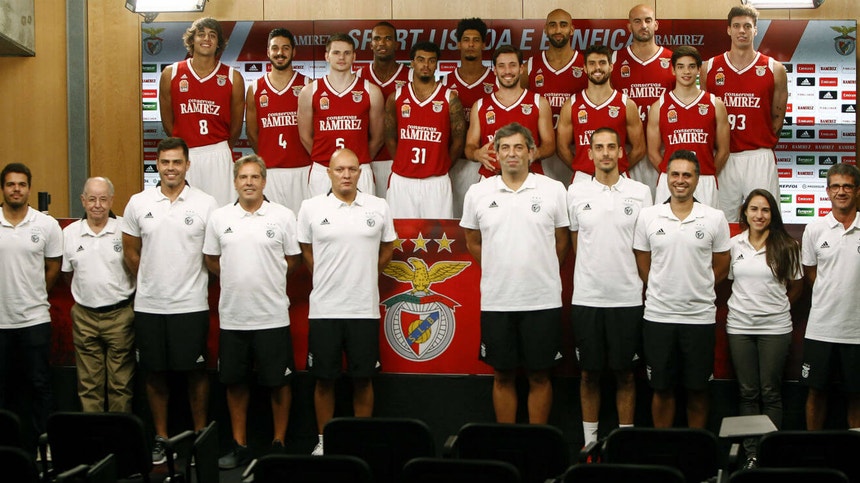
pixel 205 454
pixel 10 429
pixel 103 471
pixel 17 465
pixel 789 475
pixel 812 449
pixel 385 444
pixel 434 470
pixel 539 452
pixel 618 473
pixel 692 451
pixel 308 469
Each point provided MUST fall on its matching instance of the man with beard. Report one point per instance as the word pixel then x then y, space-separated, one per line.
pixel 598 105
pixel 425 129
pixel 643 72
pixel 682 251
pixel 272 126
pixel 387 74
pixel 511 103
pixel 31 247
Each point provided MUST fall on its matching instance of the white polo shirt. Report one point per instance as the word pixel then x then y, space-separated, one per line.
pixel 681 280
pixel 101 277
pixel 519 264
pixel 835 312
pixel 252 247
pixel 605 274
pixel 345 240
pixel 23 250
pixel 759 302
pixel 172 278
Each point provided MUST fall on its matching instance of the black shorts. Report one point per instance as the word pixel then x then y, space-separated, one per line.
pixel 824 362
pixel 679 353
pixel 531 339
pixel 607 337
pixel 171 342
pixel 329 339
pixel 268 351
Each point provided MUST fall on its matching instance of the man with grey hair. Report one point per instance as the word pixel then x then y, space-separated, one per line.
pixel 251 245
pixel 517 229
pixel 103 289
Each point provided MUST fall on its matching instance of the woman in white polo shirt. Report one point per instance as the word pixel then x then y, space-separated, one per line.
pixel 766 272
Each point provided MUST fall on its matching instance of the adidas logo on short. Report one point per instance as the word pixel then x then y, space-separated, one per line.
pixel 557 356
pixel 288 372
pixel 200 359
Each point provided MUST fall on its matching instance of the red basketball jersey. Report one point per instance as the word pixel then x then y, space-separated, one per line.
pixel 201 106
pixel 644 81
pixel 493 115
pixel 556 85
pixel 692 126
pixel 470 93
pixel 423 133
pixel 399 79
pixel 341 120
pixel 748 96
pixel 587 117
pixel 278 141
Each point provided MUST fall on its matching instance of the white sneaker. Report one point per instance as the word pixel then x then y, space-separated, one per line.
pixel 318 449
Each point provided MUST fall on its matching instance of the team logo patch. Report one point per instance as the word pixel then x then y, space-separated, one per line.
pixel 844 44
pixel 419 323
pixel 270 233
pixel 535 207
pixel 183 85
pixel 189 220
pixel 672 115
pixel 804 371
pixel 577 72
pixel 34 238
pixel 720 79
pixel 539 80
pixel 297 90
pixel 371 222
pixel 264 100
pixel 399 83
pixel 488 88
pixel 357 96
pixel 152 43
pixel 582 116
pixel 491 117
pixel 117 246
pixel 760 70
pixel 324 103
pixel 625 70
pixel 613 111
pixel 628 210
pixel 700 234
pixel 437 106
pixel 222 80
pixel 526 108
pixel 664 62
pixel 703 109
pixel 405 110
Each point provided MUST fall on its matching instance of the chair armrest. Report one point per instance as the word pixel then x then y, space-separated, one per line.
pixel 76 471
pixel 449 449
pixel 43 452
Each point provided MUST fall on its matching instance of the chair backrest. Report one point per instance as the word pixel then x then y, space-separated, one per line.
pixel 18 465
pixel 278 468
pixel 825 449
pixel 692 451
pixel 104 471
pixel 789 475
pixel 434 470
pixel 539 452
pixel 205 452
pixel 619 473
pixel 85 438
pixel 385 444
pixel 10 429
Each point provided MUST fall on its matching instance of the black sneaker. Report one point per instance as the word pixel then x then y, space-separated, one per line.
pixel 159 455
pixel 277 447
pixel 238 456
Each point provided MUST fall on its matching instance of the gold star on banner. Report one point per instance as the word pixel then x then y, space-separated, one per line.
pixel 444 243
pixel 398 244
pixel 420 243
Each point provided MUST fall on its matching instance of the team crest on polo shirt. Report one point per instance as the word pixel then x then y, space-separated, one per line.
pixel 370 221
pixel 34 237
pixel 700 234
pixel 117 246
pixel 536 204
pixel 419 323
pixel 189 218
pixel 270 231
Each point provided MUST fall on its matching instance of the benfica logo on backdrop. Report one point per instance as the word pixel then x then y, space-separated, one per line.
pixel 152 43
pixel 845 44
pixel 419 323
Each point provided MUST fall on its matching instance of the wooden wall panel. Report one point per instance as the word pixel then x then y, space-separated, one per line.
pixel 444 9
pixel 33 127
pixel 223 9
pixel 114 98
pixel 327 9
